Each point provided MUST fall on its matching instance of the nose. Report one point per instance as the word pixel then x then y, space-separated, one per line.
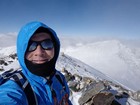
pixel 39 50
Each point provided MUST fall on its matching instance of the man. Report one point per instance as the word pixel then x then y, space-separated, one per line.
pixel 37 50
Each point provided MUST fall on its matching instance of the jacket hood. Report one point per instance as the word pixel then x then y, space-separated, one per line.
pixel 23 38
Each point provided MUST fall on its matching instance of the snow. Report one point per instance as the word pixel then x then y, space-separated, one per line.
pixel 112 58
pixel 7 51
pixel 74 98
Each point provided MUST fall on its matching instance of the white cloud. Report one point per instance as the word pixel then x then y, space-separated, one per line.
pixel 8 39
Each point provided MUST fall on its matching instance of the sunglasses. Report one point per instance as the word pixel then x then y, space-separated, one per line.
pixel 46 44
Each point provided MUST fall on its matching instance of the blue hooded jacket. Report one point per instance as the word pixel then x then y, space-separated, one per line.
pixel 11 93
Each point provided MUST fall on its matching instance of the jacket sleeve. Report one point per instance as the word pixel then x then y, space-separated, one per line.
pixel 12 94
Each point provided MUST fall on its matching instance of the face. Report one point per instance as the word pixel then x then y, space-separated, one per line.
pixel 40 55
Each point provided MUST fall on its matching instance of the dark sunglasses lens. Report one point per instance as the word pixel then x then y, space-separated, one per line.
pixel 47 44
pixel 32 47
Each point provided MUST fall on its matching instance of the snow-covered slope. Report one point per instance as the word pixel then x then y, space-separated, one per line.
pixel 76 66
pixel 73 65
pixel 7 51
pixel 112 58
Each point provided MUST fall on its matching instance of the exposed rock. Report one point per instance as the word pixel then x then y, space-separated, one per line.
pixel 82 85
pixel 77 77
pixel 102 98
pixel 10 62
pixel 64 70
pixel 13 56
pixel 78 86
pixel 136 95
pixel 90 91
pixel 67 75
pixel 62 53
pixel 2 69
pixel 73 86
pixel 122 95
pixel 87 80
pixel 98 92
pixel 2 62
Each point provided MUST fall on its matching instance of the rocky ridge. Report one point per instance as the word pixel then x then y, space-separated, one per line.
pixel 98 92
pixel 96 89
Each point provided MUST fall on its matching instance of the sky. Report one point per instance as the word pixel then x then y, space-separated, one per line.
pixel 113 18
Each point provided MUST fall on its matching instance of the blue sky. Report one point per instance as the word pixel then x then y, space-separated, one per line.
pixel 74 17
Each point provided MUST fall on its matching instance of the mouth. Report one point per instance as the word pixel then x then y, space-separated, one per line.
pixel 40 61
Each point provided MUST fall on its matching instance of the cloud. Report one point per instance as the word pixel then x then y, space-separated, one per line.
pixel 74 41
pixel 8 39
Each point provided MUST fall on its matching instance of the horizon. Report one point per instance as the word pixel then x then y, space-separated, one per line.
pixel 67 41
pixel 75 17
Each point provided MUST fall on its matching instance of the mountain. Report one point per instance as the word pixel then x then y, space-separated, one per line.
pixel 111 57
pixel 85 82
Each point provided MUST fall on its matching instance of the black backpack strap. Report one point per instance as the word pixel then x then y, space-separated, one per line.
pixel 31 97
pixel 32 100
pixel 64 100
pixel 57 75
pixel 60 80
